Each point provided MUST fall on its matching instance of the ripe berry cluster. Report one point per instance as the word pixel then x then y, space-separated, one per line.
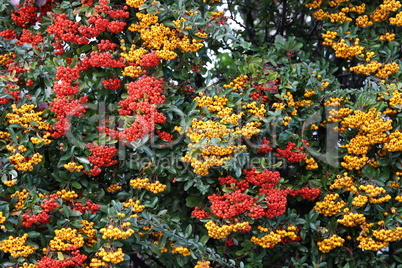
pixel 241 202
pixel 75 259
pixel 264 148
pixel 112 83
pixel 101 156
pixel 291 152
pixel 48 205
pixel 89 206
pixel 144 96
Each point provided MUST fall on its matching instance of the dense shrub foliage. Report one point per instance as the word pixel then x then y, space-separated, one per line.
pixel 142 133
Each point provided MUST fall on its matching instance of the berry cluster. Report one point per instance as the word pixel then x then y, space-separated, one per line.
pixel 166 136
pixel 112 83
pixel 292 153
pixel 144 96
pixel 101 156
pixel 275 237
pixel 264 148
pixel 89 206
pixel 65 104
pixel 74 259
pixel 155 187
pixel 239 202
pixel 26 15
pixel 104 19
pixel 200 213
pixel 220 232
pixel 105 44
pixel 113 232
pixel 48 205
pixel 231 204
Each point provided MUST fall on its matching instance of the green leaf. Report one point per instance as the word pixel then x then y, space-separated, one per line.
pixel 193 201
pixel 189 230
pixel 76 185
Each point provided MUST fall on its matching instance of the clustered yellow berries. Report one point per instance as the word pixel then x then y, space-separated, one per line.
pixel 383 70
pixel 113 188
pixel 2 220
pixel 88 230
pixel 5 135
pixel 181 250
pixel 135 3
pixel 256 111
pixel 368 243
pixel 25 116
pixel 136 206
pixel 143 183
pixel 396 98
pixel 329 207
pixel 10 183
pixel 6 58
pixel 21 163
pixel 387 37
pixel 44 139
pixel 217 105
pixel 219 232
pixel 330 243
pixel 352 219
pixel 335 101
pixel 369 238
pixel 29 265
pixel 309 93
pixel 343 182
pixel 372 128
pixel 337 115
pixel 113 232
pixel 237 83
pixel 213 141
pixel 374 192
pixel 349 48
pixel 67 196
pixel 202 264
pixel 274 237
pixel 311 163
pixel 17 246
pixel 160 38
pixel 133 71
pixel 21 195
pixel 289 102
pixel 66 238
pixel 111 255
pixel 344 49
pixel 30 121
pixel 72 166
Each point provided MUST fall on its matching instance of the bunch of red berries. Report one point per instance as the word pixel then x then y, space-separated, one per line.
pixel 106 45
pixel 200 213
pixel 166 136
pixel 104 59
pixel 101 156
pixel 149 60
pixel 291 152
pixel 8 34
pixel 26 15
pixel 264 148
pixel 112 83
pixel 231 204
pixel 48 205
pixel 305 193
pixel 28 37
pixel 76 259
pixel 144 96
pixel 89 206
